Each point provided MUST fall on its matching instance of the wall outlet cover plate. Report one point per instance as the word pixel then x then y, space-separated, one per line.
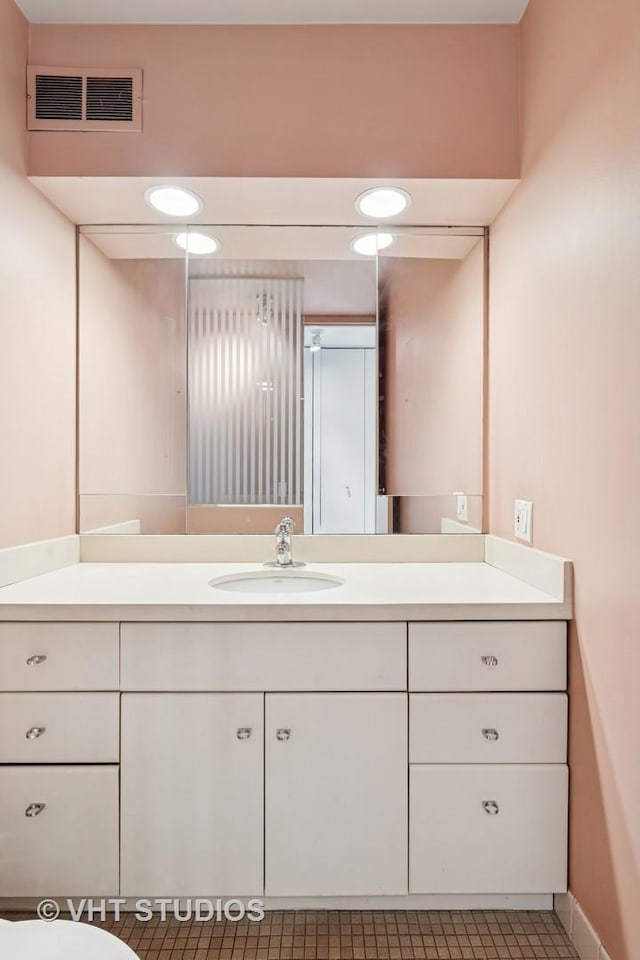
pixel 462 510
pixel 523 520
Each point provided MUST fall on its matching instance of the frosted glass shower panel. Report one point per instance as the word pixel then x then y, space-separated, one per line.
pixel 245 390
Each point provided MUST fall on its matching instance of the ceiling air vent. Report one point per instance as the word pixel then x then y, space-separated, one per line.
pixel 84 98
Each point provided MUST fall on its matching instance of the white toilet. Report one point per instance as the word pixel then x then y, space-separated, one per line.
pixel 59 940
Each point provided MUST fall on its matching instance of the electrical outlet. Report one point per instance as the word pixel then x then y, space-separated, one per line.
pixel 523 520
pixel 462 512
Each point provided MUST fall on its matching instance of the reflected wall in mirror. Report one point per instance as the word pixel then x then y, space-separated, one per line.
pixel 431 329
pixel 220 390
pixel 132 378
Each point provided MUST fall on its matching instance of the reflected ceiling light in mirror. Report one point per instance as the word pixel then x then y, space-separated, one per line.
pixel 174 201
pixel 198 243
pixel 380 203
pixel 368 244
pixel 315 341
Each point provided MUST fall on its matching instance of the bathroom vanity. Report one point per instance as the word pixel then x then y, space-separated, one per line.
pixel 398 740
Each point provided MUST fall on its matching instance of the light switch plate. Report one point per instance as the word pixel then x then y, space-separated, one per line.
pixel 462 511
pixel 523 520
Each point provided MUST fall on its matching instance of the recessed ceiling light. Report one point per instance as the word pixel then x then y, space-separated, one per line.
pixel 174 201
pixel 198 243
pixel 379 203
pixel 370 243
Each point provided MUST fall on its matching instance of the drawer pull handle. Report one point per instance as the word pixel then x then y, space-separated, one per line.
pixel 490 807
pixel 283 733
pixel 490 661
pixel 490 734
pixel 34 809
pixel 37 660
pixel 34 732
pixel 243 733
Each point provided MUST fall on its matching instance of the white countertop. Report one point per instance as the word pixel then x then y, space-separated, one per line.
pixel 372 591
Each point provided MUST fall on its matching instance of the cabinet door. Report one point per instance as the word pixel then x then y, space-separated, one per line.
pixel 336 794
pixel 58 831
pixel 488 829
pixel 192 794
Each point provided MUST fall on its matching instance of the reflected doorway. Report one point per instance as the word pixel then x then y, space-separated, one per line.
pixel 340 428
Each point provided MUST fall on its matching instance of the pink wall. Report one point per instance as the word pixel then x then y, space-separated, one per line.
pixel 343 101
pixel 132 391
pixel 37 327
pixel 434 374
pixel 564 383
pixel 207 518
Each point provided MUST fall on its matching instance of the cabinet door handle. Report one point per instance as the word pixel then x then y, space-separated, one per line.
pixel 34 732
pixel 490 807
pixel 36 660
pixel 243 733
pixel 490 661
pixel 34 809
pixel 489 733
pixel 283 733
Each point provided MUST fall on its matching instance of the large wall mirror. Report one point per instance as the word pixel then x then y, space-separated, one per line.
pixel 229 375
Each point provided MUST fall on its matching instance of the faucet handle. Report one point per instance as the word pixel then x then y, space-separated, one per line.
pixel 288 524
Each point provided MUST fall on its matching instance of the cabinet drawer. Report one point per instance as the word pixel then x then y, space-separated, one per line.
pixel 488 727
pixel 58 656
pixel 59 727
pixel 504 655
pixel 488 829
pixel 59 831
pixel 263 656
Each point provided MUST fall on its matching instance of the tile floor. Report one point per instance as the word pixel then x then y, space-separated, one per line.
pixel 347 935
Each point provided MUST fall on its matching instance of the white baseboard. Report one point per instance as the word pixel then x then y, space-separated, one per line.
pixel 582 935
pixel 525 901
pixel 487 901
pixel 34 559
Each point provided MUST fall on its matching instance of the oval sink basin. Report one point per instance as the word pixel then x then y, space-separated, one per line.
pixel 268 581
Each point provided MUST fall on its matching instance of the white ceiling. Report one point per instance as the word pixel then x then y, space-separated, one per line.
pixel 267 201
pixel 273 11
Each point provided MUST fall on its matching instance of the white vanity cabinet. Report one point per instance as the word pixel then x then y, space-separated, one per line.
pixel 59 750
pixel 334 804
pixel 192 794
pixel 488 777
pixel 295 761
pixel 336 794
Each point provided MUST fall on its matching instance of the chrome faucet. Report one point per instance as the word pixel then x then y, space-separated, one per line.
pixel 284 532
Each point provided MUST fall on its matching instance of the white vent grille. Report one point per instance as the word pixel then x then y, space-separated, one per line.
pixel 84 98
